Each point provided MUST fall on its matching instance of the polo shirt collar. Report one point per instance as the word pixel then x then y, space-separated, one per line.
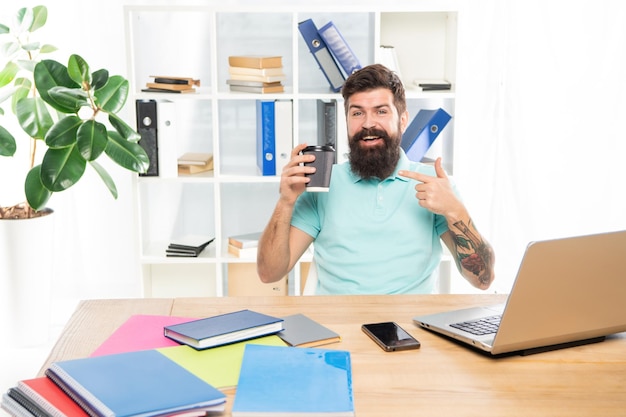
pixel 403 164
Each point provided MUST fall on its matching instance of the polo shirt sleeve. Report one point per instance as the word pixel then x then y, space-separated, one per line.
pixel 305 215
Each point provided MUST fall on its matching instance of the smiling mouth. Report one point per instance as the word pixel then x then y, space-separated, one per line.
pixel 368 138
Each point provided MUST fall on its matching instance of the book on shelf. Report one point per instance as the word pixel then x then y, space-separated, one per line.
pixel 255 61
pixel 258 90
pixel 255 71
pixel 218 366
pixel 188 246
pixel 223 329
pixel 245 240
pixel 167 79
pixel 433 85
pixel 163 90
pixel 302 331
pixel 243 252
pixel 173 87
pixel 41 397
pixel 389 58
pixel 322 55
pixel 195 162
pixel 422 132
pixel 277 381
pixel 248 83
pixel 340 48
pixel 140 383
pixel 195 158
pixel 259 78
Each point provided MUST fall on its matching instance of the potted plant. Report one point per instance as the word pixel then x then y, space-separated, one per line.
pixel 70 115
pixel 67 109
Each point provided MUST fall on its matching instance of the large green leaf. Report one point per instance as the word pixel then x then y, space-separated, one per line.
pixel 91 139
pixel 25 17
pixel 8 73
pixel 99 79
pixel 127 154
pixel 49 74
pixel 36 194
pixel 123 129
pixel 22 90
pixel 34 117
pixel 7 143
pixel 68 100
pixel 40 15
pixel 4 29
pixel 47 48
pixel 106 178
pixel 112 97
pixel 62 168
pixel 63 133
pixel 78 69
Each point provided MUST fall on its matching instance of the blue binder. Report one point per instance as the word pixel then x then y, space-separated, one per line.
pixel 422 132
pixel 265 137
pixel 321 53
pixel 340 48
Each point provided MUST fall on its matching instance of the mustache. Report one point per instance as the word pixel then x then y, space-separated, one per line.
pixel 360 135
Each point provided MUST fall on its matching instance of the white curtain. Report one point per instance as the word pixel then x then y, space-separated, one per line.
pixel 540 140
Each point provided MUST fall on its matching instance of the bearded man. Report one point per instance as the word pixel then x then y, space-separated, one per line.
pixel 379 228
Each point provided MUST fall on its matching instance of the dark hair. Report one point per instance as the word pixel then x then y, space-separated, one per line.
pixel 372 77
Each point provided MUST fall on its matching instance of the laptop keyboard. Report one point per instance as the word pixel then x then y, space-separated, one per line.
pixel 482 326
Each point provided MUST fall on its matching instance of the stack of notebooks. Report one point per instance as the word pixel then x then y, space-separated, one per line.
pixel 256 73
pixel 189 246
pixel 195 162
pixel 140 370
pixel 168 84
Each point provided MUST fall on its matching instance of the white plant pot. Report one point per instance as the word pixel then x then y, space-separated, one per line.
pixel 25 280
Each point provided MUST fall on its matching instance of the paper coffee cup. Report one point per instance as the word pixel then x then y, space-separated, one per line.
pixel 323 163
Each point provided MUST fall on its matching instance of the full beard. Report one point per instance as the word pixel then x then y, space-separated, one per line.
pixel 376 161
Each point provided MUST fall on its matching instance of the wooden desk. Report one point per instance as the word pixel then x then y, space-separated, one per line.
pixel 440 379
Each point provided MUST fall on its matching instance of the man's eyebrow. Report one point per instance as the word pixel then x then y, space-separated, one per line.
pixel 378 107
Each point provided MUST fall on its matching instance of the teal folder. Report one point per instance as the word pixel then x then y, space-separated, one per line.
pixel 288 381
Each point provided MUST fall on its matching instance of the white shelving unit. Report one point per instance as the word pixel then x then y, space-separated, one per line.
pixel 196 41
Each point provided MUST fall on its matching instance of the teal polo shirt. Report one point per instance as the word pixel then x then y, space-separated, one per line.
pixel 372 236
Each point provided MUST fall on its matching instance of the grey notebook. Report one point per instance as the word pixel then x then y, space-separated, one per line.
pixel 567 291
pixel 302 331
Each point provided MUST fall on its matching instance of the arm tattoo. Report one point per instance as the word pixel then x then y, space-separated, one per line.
pixel 474 255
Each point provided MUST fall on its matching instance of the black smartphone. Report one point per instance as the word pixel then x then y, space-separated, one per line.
pixel 390 337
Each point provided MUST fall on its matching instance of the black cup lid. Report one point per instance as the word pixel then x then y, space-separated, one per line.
pixel 319 148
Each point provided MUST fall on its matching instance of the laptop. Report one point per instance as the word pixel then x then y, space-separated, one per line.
pixel 567 292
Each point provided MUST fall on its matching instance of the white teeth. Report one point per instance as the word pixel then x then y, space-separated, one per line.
pixel 370 137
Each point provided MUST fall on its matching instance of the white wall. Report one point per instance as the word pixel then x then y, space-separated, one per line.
pixel 541 94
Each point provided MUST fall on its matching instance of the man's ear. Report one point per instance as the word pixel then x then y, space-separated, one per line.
pixel 404 120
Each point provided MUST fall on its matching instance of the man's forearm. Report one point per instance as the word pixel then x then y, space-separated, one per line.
pixel 474 255
pixel 273 256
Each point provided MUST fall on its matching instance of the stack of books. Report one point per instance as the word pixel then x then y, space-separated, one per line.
pixel 195 162
pixel 256 73
pixel 189 246
pixel 245 245
pixel 167 84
